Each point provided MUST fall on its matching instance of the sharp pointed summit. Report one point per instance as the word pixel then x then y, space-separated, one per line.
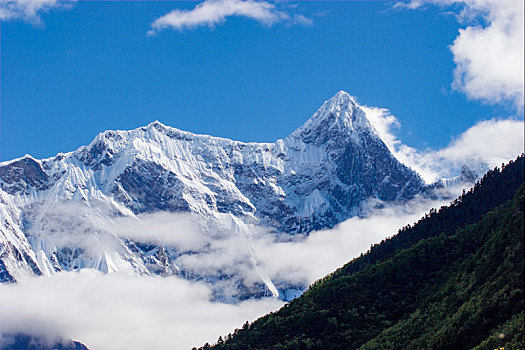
pixel 156 125
pixel 338 116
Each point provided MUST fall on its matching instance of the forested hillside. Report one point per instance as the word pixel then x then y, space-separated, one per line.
pixel 454 280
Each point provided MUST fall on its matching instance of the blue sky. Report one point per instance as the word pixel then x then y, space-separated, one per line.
pixel 91 66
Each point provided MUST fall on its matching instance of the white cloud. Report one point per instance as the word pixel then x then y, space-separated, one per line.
pixel 489 59
pixel 115 311
pixel 485 145
pixel 307 260
pixel 213 12
pixel 119 311
pixel 28 10
pixel 489 55
pixel 491 141
pixel 412 5
pixel 178 230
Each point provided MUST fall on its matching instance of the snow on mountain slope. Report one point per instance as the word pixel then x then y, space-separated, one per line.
pixel 315 178
pixel 17 258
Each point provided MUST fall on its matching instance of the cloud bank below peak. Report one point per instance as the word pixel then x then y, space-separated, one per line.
pixel 214 12
pixel 173 313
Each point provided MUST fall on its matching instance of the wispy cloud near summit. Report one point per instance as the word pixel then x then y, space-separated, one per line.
pixel 213 12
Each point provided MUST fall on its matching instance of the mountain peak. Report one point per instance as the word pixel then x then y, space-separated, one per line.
pixel 340 115
pixel 155 124
pixel 342 98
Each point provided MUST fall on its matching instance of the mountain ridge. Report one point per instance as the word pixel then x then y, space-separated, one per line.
pixel 320 175
pixel 120 149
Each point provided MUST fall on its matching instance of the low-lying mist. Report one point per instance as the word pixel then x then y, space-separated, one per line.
pixel 128 311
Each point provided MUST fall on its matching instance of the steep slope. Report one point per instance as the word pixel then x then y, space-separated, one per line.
pixel 315 178
pixel 17 258
pixel 455 287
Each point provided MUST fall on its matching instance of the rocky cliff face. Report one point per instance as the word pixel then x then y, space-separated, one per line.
pixel 313 179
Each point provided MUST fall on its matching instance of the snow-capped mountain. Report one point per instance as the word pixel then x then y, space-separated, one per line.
pixel 55 212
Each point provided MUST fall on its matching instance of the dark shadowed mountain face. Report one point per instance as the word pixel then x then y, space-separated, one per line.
pixel 315 178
